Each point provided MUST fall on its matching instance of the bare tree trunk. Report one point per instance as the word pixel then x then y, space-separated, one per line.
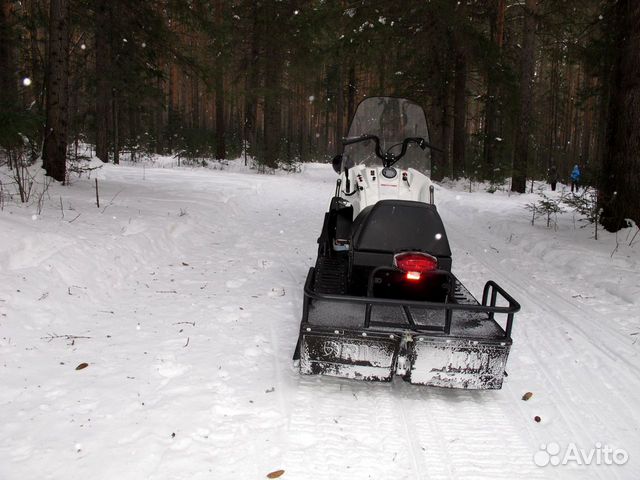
pixel 272 107
pixel 116 127
pixel 459 113
pixel 620 185
pixel 302 125
pixel 440 134
pixel 103 84
pixel 585 151
pixel 352 90
pixel 553 124
pixel 8 91
pixel 326 141
pixel 36 59
pixel 252 81
pixel 491 114
pixel 523 122
pixel 339 108
pixel 604 104
pixel 55 142
pixel 221 148
pixel 446 169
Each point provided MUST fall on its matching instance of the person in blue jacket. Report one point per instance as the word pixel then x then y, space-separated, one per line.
pixel 575 178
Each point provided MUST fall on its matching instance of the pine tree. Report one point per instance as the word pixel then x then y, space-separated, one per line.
pixel 620 184
pixel 523 121
pixel 54 153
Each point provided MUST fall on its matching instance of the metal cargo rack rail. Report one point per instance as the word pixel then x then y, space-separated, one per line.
pixel 448 344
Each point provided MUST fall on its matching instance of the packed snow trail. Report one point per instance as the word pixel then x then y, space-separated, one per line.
pixel 183 293
pixel 584 371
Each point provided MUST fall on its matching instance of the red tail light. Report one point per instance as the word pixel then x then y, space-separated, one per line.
pixel 414 264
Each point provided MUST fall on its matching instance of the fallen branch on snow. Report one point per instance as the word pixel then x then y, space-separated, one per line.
pixel 53 336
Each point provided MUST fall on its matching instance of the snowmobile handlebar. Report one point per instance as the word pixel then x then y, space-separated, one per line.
pixel 363 138
pixel 388 158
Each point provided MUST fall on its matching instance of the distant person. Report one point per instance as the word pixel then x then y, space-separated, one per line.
pixel 553 177
pixel 575 178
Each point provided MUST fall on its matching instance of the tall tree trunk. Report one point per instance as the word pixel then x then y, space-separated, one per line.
pixel 55 143
pixel 446 169
pixel 272 106
pixel 326 141
pixel 459 113
pixel 563 169
pixel 115 109
pixel 440 134
pixel 585 150
pixel 272 112
pixel 302 124
pixel 523 122
pixel 496 24
pixel 352 91
pixel 339 107
pixel 221 148
pixel 620 186
pixel 252 81
pixel 103 83
pixel 490 134
pixel 35 57
pixel 604 104
pixel 8 90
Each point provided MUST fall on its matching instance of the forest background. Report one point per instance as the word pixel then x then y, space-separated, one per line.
pixel 511 88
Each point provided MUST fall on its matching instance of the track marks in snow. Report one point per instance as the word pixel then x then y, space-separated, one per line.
pixel 457 432
pixel 339 430
pixel 564 352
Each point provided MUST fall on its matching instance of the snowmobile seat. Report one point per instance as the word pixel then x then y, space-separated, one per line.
pixel 391 226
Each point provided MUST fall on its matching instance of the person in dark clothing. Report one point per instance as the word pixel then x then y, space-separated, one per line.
pixel 575 178
pixel 553 177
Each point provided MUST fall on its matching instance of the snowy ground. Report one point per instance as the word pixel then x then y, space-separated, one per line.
pixel 183 294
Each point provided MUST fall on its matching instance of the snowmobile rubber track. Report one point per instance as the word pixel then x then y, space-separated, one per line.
pixel 331 275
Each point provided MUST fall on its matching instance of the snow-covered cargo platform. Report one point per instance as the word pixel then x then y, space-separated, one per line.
pixel 456 344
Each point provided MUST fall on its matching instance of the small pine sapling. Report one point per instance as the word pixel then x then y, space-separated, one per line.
pixel 545 207
pixel 586 205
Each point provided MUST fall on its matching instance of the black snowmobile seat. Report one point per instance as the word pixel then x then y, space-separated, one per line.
pixel 392 226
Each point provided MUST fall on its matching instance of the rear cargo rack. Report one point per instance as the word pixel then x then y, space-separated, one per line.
pixel 488 306
pixel 453 344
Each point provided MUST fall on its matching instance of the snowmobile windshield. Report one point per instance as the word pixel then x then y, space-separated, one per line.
pixel 391 120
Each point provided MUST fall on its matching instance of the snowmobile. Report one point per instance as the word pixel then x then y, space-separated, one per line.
pixel 382 300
